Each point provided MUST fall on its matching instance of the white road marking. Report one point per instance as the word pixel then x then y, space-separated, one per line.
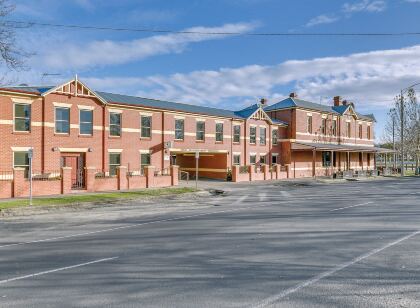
pixel 348 207
pixel 272 299
pixel 241 199
pixel 56 270
pixel 262 196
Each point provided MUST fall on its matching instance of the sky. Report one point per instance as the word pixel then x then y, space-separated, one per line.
pixel 226 71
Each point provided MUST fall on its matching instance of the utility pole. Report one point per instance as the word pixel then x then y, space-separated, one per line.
pixel 393 141
pixel 402 133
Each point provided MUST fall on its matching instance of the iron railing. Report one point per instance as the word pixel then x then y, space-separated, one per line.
pixel 162 172
pixel 6 175
pixel 46 176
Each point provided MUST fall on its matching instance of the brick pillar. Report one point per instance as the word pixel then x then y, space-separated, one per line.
pixel 235 173
pixel 277 167
pixel 149 173
pixel 65 180
pixel 266 169
pixel 174 175
pixel 122 177
pixel 18 182
pixel 251 171
pixel 90 179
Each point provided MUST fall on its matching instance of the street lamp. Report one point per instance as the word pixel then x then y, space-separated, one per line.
pixel 402 123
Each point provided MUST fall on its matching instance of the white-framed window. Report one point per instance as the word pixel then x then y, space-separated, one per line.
pixel 115 124
pixel 263 160
pixel 114 162
pixel 275 136
pixel 324 126
pixel 368 132
pixel 146 126
pixel 219 132
pixel 86 122
pixel 252 134
pixel 62 120
pixel 274 159
pixel 236 133
pixel 179 129
pixel 326 159
pixel 263 134
pixel 237 159
pixel 334 127
pixel 348 132
pixel 144 160
pixel 22 117
pixel 21 160
pixel 200 130
pixel 309 124
pixel 252 159
pixel 360 131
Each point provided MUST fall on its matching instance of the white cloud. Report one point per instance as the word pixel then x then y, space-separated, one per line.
pixel 108 52
pixel 365 6
pixel 322 19
pixel 371 79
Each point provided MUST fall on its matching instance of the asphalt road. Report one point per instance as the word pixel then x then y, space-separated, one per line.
pixel 299 244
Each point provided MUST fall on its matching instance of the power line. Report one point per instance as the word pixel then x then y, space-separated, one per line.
pixel 147 30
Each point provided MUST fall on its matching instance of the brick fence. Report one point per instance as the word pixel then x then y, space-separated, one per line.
pixel 16 185
pixel 262 173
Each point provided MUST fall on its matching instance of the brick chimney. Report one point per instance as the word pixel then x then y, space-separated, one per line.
pixel 263 102
pixel 293 95
pixel 337 100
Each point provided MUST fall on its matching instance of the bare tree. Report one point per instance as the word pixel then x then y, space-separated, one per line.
pixel 411 126
pixel 10 54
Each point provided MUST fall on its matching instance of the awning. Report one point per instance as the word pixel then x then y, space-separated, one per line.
pixel 302 146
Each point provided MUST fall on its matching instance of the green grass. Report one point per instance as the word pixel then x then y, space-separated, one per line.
pixel 97 197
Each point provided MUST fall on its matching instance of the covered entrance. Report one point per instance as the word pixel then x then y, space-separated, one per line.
pixel 77 163
pixel 211 165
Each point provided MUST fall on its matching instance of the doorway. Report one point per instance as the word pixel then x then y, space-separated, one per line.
pixel 77 163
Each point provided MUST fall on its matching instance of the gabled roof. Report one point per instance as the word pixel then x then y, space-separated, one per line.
pixel 29 89
pixel 292 102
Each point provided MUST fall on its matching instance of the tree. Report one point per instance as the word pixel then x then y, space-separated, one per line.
pixel 411 126
pixel 10 54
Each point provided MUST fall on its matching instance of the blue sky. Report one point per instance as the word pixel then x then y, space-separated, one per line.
pixel 227 71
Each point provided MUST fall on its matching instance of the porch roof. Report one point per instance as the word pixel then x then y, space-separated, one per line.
pixel 302 146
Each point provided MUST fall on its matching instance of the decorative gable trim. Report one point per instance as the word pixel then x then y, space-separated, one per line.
pixel 260 114
pixel 75 87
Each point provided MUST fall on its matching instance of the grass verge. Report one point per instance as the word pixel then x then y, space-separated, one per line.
pixel 97 197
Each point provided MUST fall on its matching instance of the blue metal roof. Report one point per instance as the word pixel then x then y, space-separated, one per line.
pixel 32 89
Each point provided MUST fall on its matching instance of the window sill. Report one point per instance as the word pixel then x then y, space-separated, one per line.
pixel 219 142
pixel 114 137
pixel 85 136
pixel 145 138
pixel 178 140
pixel 21 132
pixel 62 134
pixel 200 141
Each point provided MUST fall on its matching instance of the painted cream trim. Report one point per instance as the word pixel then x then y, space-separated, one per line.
pixel 253 125
pixel 20 149
pixel 130 130
pixel 146 114
pixel 145 151
pixel 219 121
pixel 179 117
pixel 309 114
pixel 112 110
pixel 200 120
pixel 74 126
pixel 198 150
pixel 6 122
pixel 236 153
pixel 73 150
pixel 324 116
pixel 115 150
pixel 252 153
pixel 64 105
pixel 368 124
pixel 263 154
pixel 22 100
pixel 236 123
pixel 97 127
pixel 170 132
pixel 274 154
pixel 85 107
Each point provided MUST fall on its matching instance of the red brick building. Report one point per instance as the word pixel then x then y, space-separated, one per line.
pixel 71 125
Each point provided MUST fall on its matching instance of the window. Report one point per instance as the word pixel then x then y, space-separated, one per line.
pixel 200 130
pixel 144 160
pixel 309 124
pixel 360 131
pixel 326 159
pixel 274 159
pixel 348 129
pixel 334 128
pixel 22 117
pixel 263 131
pixel 115 124
pixel 368 132
pixel 219 132
pixel 146 126
pixel 262 159
pixel 62 120
pixel 237 159
pixel 360 159
pixel 114 162
pixel 324 127
pixel 21 160
pixel 179 129
pixel 253 159
pixel 236 133
pixel 252 135
pixel 86 122
pixel 274 136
